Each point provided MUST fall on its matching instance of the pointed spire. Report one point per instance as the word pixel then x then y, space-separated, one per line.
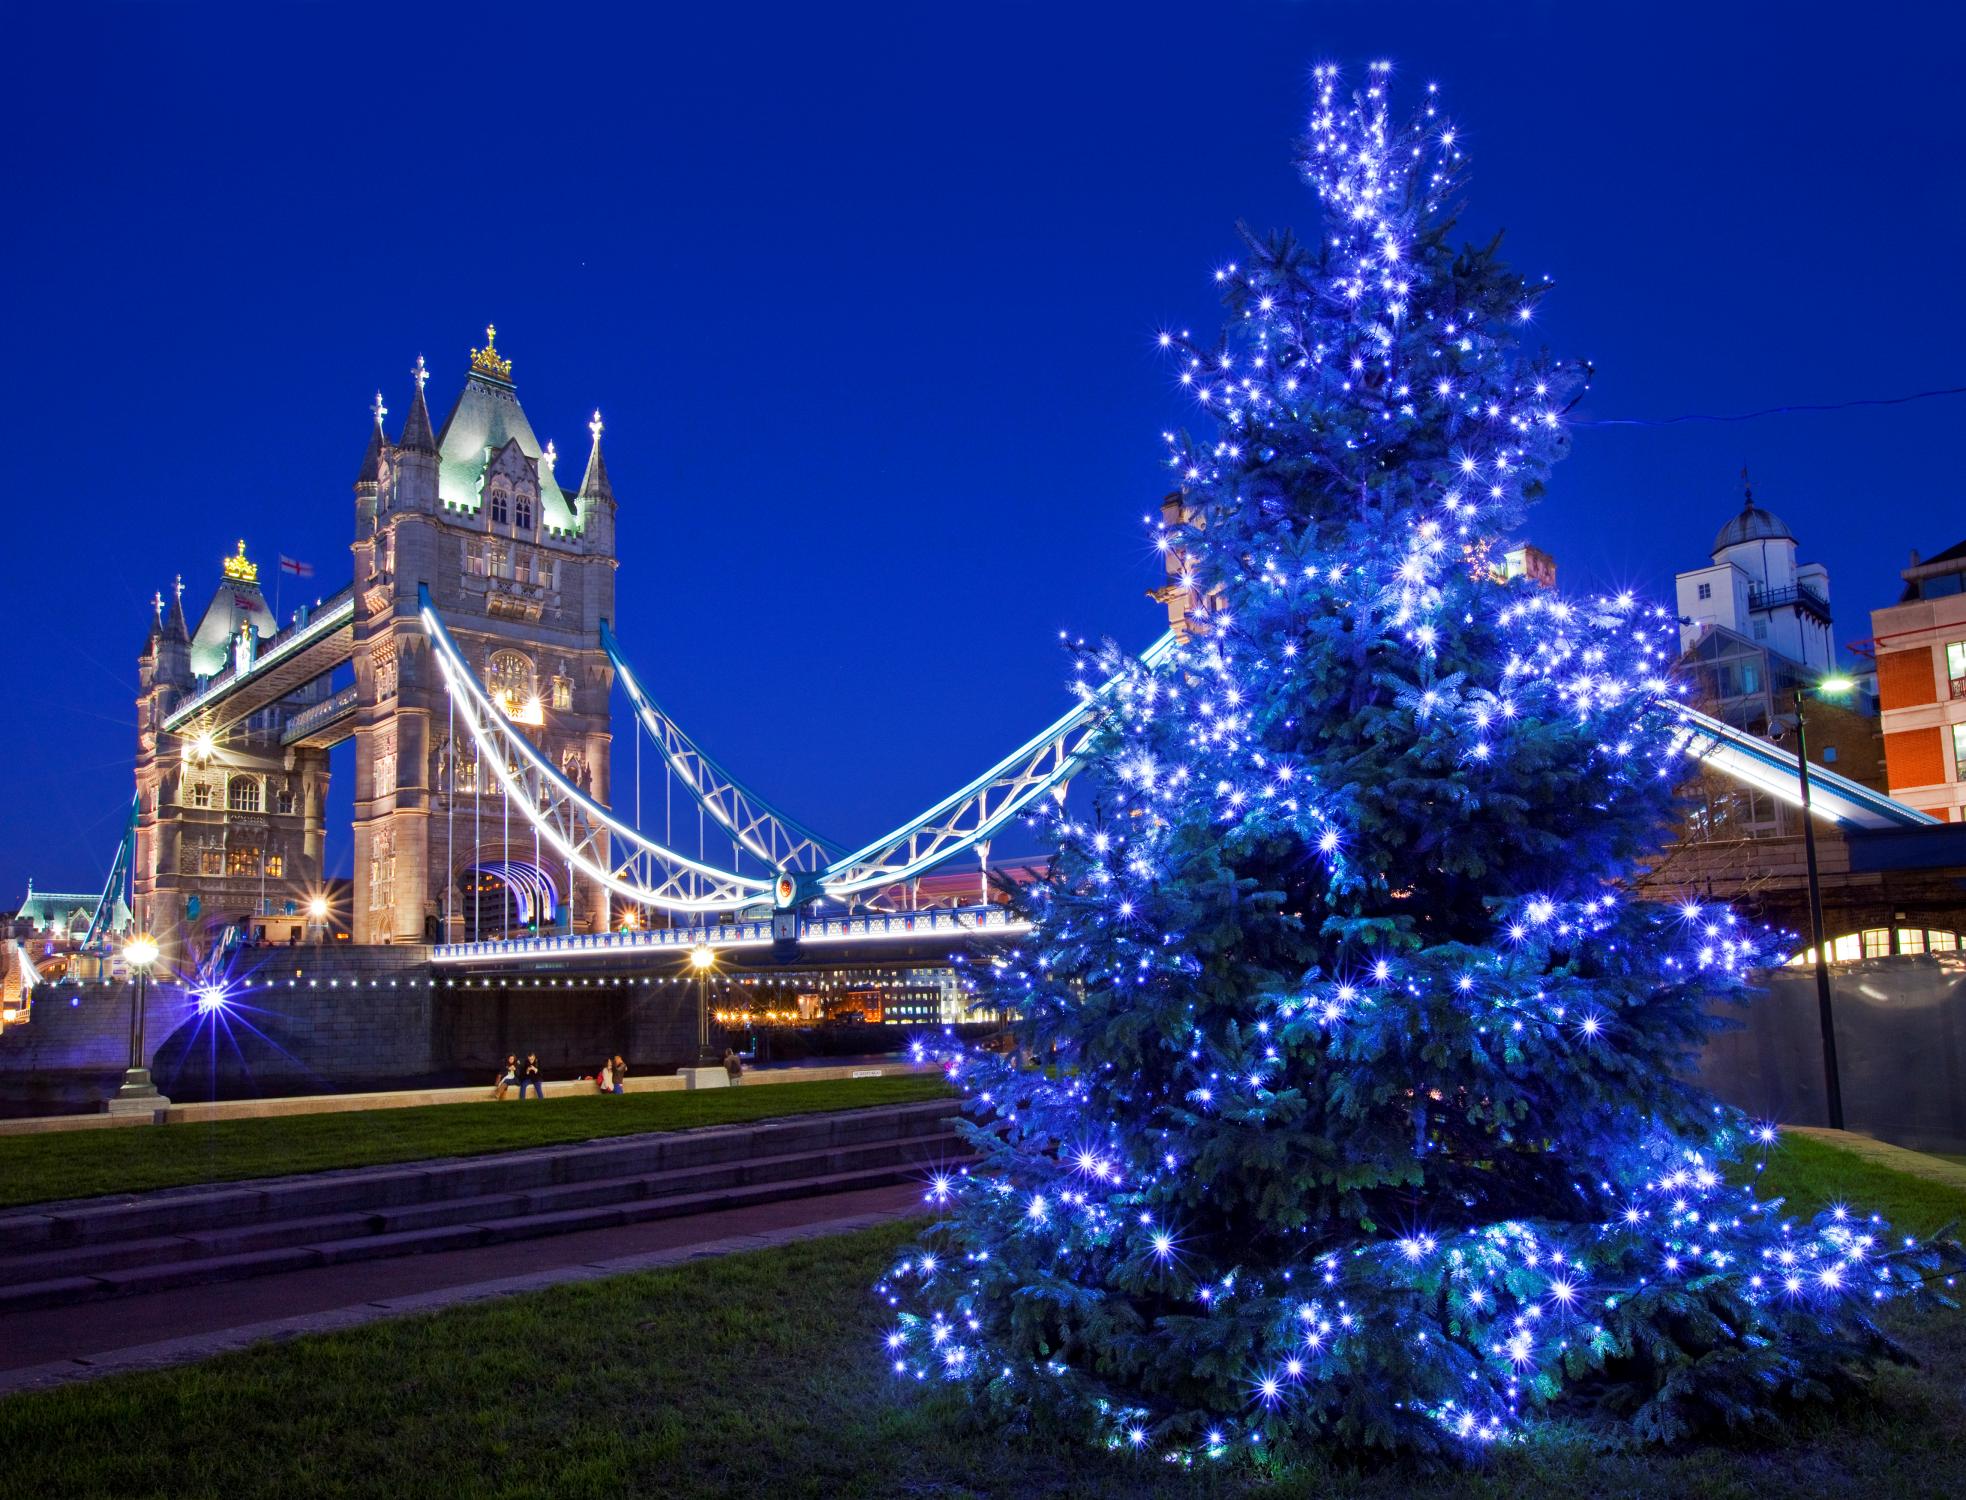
pixel 594 484
pixel 371 470
pixel 156 623
pixel 175 628
pixel 1747 490
pixel 417 436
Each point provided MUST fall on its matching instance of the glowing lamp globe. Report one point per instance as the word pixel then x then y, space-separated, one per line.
pixel 701 957
pixel 141 951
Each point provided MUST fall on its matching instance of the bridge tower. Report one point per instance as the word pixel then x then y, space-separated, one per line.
pixel 229 812
pixel 522 572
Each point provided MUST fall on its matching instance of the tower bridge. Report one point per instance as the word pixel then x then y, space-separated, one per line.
pixel 473 659
pixel 503 895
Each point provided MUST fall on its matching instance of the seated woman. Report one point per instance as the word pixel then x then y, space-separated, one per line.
pixel 604 1080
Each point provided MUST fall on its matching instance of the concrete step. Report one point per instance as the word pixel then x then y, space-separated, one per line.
pixel 131 1281
pixel 185 1212
pixel 572 1199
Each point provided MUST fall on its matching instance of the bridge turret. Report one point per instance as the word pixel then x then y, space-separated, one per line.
pixel 416 452
pixel 372 476
pixel 595 501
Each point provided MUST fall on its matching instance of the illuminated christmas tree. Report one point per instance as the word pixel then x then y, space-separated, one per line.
pixel 1365 1119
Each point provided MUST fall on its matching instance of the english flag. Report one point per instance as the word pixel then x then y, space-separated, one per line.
pixel 296 567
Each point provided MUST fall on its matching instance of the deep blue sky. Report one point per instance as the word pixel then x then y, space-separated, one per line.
pixel 867 298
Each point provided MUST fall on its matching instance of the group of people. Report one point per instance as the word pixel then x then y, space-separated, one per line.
pixel 611 1078
pixel 526 1075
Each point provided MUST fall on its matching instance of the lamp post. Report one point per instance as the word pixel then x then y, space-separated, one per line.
pixel 1832 1082
pixel 138 1094
pixel 703 959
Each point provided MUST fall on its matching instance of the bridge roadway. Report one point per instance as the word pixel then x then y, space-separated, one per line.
pixel 865 938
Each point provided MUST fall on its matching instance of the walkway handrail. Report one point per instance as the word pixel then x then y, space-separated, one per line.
pixel 330 617
pixel 1749 758
pixel 967 817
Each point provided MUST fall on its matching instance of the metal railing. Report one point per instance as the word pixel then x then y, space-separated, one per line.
pixel 310 719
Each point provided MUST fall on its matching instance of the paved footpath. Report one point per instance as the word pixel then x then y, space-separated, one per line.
pixel 50 1346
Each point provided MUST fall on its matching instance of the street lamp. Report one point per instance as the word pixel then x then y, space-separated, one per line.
pixel 138 1093
pixel 1835 685
pixel 703 959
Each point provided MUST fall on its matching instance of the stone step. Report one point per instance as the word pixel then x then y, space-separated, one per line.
pixel 208 1269
pixel 491 1209
pixel 100 1221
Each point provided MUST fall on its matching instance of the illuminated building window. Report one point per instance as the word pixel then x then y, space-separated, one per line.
pixel 562 693
pixel 1959 752
pixel 242 861
pixel 1911 940
pixel 510 678
pixel 275 866
pixel 1943 942
pixel 501 511
pixel 201 794
pixel 211 861
pixel 1877 942
pixel 242 794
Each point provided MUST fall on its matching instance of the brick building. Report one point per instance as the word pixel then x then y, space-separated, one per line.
pixel 1920 645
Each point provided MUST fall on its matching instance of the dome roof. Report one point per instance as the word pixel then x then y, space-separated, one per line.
pixel 1751 524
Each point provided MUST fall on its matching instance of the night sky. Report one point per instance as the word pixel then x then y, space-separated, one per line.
pixel 868 302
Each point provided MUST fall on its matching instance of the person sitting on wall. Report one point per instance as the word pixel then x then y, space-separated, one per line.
pixel 530 1078
pixel 507 1075
pixel 620 1069
pixel 604 1079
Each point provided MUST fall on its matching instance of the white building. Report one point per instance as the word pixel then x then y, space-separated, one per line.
pixel 1756 589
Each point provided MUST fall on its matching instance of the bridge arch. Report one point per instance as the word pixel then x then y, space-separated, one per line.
pixel 506 897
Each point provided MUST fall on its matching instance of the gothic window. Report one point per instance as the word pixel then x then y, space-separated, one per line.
pixel 201 794
pixel 211 861
pixel 523 507
pixel 573 766
pixel 501 513
pixel 242 794
pixel 286 799
pixel 382 870
pixel 275 866
pixel 385 675
pixel 385 764
pixel 474 559
pixel 500 560
pixel 242 861
pixel 562 693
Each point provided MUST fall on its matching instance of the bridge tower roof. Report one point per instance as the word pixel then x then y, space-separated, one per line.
pixel 237 602
pixel 486 417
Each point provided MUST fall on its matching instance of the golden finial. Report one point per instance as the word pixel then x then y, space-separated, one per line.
pixel 486 361
pixel 238 569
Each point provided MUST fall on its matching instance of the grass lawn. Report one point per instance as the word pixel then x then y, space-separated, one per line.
pixel 82 1163
pixel 759 1375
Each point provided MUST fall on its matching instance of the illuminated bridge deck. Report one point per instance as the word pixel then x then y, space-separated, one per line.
pixel 941 930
